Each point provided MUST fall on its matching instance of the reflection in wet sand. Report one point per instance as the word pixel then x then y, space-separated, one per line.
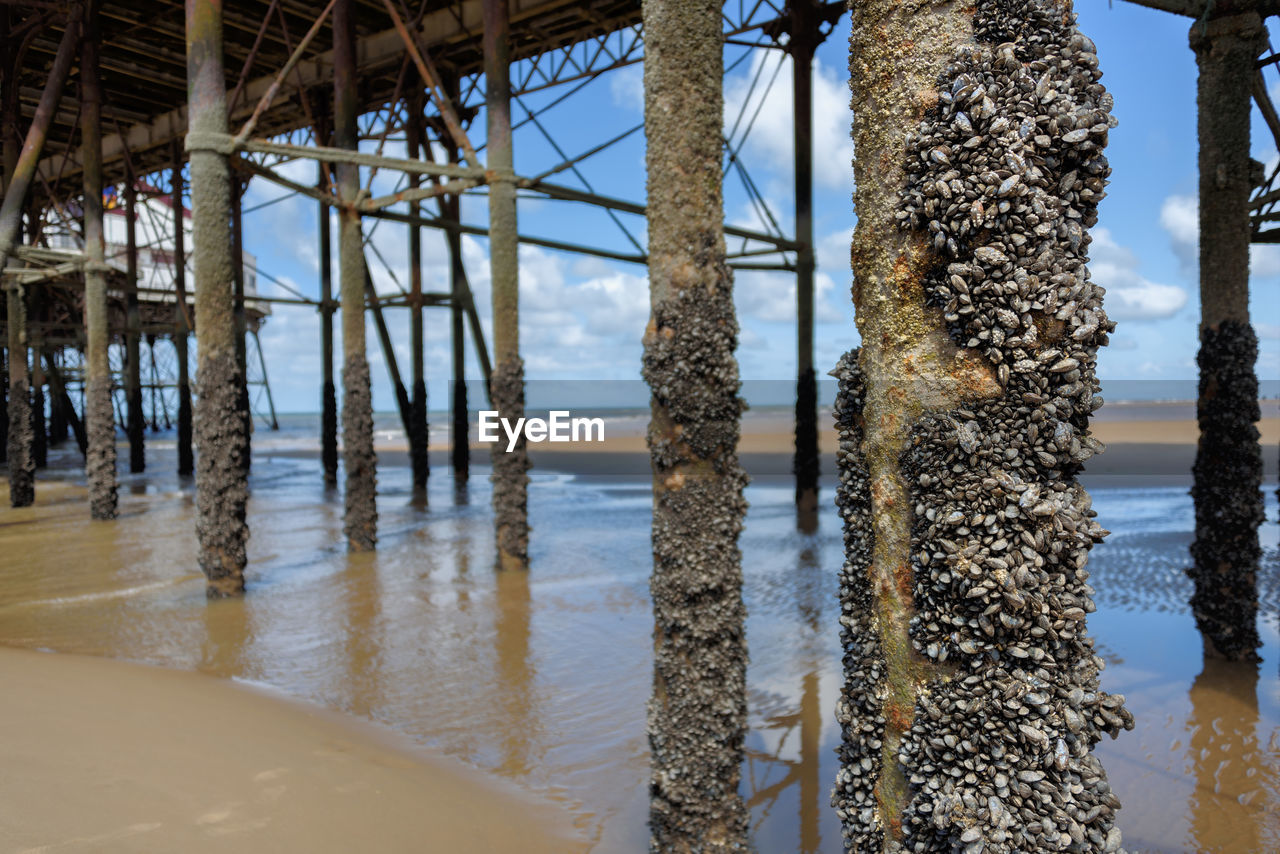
pixel 542 677
pixel 514 671
pixel 1234 805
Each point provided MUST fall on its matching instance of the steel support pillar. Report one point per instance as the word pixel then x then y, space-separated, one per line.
pixel 133 332
pixel 1228 466
pixel 510 468
pixel 361 518
pixel 328 394
pixel 59 391
pixel 181 321
pixel 39 429
pixel 804 38
pixel 418 432
pixel 100 464
pixel 222 488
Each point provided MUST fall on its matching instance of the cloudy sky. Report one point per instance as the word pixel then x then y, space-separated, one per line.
pixel 582 318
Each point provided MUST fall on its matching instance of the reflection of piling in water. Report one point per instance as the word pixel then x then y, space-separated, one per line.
pixel 361 644
pixel 227 632
pixel 514 669
pixel 971 703
pixel 1225 753
pixel 1228 466
pixel 810 766
pixel 697 717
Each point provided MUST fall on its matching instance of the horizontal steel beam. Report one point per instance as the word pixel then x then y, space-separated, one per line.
pixel 375 51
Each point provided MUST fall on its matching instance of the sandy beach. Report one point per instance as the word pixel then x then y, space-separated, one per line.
pixel 108 756
pixel 517 701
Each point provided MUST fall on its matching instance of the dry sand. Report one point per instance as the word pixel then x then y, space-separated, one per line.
pixel 105 756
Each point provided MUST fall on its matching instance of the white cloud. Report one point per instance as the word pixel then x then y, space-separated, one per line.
pixel 626 86
pixel 771 135
pixel 1180 217
pixel 1130 296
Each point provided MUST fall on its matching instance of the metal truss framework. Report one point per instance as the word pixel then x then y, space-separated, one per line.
pixel 416 62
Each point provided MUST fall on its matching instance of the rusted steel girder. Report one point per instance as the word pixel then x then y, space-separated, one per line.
pixel 18 177
pixel 222 487
pixel 17 184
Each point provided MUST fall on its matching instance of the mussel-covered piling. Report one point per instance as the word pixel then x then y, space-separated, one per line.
pixel 971 702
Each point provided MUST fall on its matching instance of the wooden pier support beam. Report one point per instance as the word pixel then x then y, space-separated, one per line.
pixel 418 432
pixel 805 465
pixel 100 465
pixel 697 714
pixel 361 517
pixel 181 321
pixel 1228 467
pixel 133 332
pixel 510 468
pixel 222 487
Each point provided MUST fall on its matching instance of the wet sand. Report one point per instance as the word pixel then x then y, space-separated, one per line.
pixel 106 756
pixel 541 679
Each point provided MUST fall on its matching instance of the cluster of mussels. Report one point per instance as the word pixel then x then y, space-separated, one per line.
pixel 860 708
pixel 1005 174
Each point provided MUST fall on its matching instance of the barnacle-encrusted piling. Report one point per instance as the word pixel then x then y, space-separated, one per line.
pixel 506 386
pixel 1227 490
pixel 99 416
pixel 971 699
pixel 697 716
pixel 361 520
pixel 19 451
pixel 222 482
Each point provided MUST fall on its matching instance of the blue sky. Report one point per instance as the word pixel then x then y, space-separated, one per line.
pixel 582 318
